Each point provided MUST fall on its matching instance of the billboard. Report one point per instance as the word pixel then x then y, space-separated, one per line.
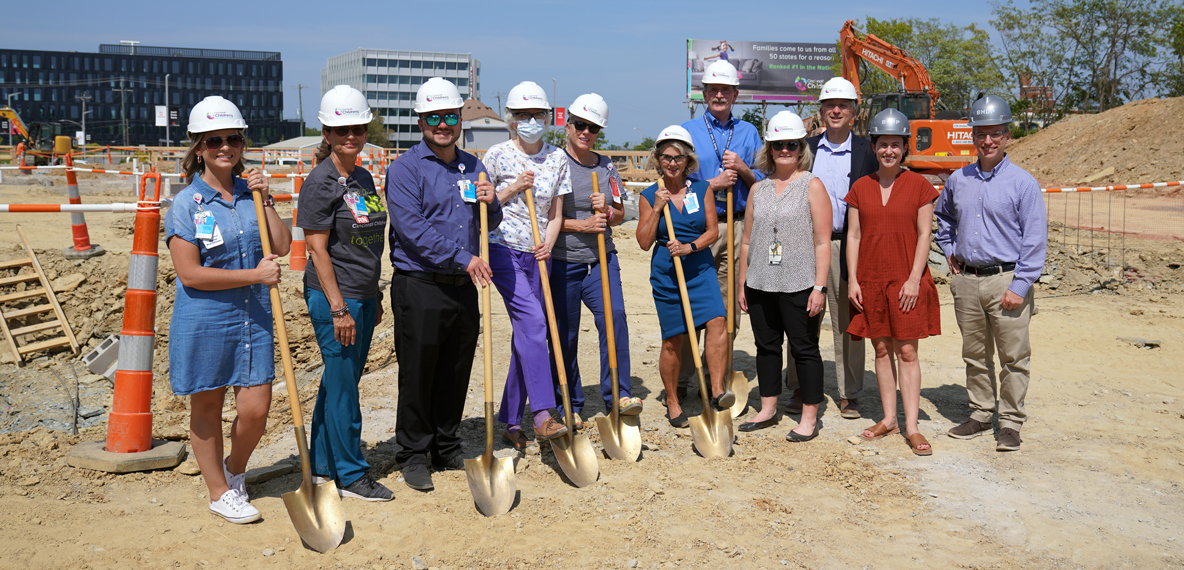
pixel 769 71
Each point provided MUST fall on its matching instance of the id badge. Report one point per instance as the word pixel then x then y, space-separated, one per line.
pixel 775 253
pixel 204 223
pixel 357 207
pixel 691 202
pixel 612 183
pixel 468 190
pixel 214 240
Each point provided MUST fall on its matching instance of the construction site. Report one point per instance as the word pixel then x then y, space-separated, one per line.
pixel 1097 484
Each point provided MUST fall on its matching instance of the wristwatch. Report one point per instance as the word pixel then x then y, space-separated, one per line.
pixel 820 289
pixel 694 247
pixel 269 202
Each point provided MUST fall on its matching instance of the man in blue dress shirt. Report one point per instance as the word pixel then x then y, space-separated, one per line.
pixel 432 194
pixel 993 229
pixel 726 148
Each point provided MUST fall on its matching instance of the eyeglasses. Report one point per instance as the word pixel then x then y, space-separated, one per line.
pixel 215 142
pixel 433 120
pixel 779 146
pixel 357 130
pixel 524 116
pixel 673 158
pixel 582 126
pixel 996 136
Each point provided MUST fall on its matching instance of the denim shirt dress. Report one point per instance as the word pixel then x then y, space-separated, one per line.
pixel 219 338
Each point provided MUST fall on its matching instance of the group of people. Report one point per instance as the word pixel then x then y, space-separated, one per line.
pixel 826 222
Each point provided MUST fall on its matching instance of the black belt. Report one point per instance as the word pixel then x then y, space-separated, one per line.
pixel 454 280
pixel 989 269
pixel 836 236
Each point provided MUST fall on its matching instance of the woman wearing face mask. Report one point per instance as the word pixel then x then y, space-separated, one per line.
pixel 221 331
pixel 526 164
pixel 893 298
pixel 344 223
pixel 575 267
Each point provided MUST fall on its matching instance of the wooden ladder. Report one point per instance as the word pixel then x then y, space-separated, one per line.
pixel 45 292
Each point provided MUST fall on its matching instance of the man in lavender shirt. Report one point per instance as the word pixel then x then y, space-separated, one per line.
pixel 992 226
pixel 433 197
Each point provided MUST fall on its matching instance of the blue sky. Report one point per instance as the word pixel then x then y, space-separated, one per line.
pixel 632 53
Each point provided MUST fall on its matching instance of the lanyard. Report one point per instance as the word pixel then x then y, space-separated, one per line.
pixel 727 145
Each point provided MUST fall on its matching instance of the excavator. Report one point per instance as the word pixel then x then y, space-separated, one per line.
pixel 941 141
pixel 44 138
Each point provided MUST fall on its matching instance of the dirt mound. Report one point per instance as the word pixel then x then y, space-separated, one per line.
pixel 1135 143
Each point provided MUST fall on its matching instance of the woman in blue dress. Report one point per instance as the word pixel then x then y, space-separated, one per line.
pixel 695 228
pixel 221 332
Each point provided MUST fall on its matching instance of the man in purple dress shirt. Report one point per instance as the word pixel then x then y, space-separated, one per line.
pixel 433 196
pixel 992 227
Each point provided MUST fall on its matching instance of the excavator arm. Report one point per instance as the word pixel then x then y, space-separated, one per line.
pixel 888 58
pixel 10 114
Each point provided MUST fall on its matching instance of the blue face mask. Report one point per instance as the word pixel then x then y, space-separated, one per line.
pixel 530 131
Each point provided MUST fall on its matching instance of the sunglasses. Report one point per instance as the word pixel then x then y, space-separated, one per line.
pixel 357 130
pixel 433 120
pixel 215 142
pixel 524 116
pixel 582 126
pixel 779 146
pixel 673 158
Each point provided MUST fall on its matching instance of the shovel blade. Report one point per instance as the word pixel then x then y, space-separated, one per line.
pixel 621 440
pixel 317 514
pixel 711 433
pixel 492 483
pixel 577 459
pixel 738 383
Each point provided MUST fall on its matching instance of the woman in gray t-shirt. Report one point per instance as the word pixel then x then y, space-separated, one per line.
pixel 575 269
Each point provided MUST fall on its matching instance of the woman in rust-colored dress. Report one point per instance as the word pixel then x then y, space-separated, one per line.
pixel 893 298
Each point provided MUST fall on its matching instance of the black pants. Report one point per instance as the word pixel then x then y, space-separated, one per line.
pixel 775 316
pixel 436 329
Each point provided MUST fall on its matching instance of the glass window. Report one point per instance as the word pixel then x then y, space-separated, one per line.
pixel 440 65
pixel 176 67
pixel 416 64
pixel 24 61
pixel 3 60
pixel 106 64
pixel 209 83
pixel 239 68
pixel 274 73
pixel 36 94
pixel 370 62
pixel 462 66
pixel 405 80
pixel 382 62
pixel 222 84
pixel 190 68
pixel 53 62
pixel 462 82
pixel 36 62
pixel 155 66
pixel 382 79
pixel 417 81
pixel 254 70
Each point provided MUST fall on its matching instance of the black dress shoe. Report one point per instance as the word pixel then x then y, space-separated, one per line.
pixel 680 421
pixel 753 426
pixel 795 437
pixel 723 401
pixel 456 463
pixel 417 477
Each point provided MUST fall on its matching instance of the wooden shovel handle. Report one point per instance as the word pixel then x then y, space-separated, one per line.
pixel 682 289
pixel 277 312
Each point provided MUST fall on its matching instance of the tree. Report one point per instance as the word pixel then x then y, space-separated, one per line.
pixel 310 132
pixel 376 134
pixel 646 143
pixel 753 116
pixel 556 137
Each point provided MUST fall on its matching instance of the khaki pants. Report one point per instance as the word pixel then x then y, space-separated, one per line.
pixel 849 353
pixel 986 328
pixel 723 270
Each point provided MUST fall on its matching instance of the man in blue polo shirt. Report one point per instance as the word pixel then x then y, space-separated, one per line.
pixel 992 226
pixel 432 194
pixel 726 148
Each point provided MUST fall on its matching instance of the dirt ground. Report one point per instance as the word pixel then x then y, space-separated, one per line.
pixel 1096 485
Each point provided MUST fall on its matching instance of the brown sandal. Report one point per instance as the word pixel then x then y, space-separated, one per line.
pixel 916 440
pixel 879 431
pixel 516 438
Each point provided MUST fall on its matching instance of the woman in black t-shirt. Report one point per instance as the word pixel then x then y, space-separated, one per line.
pixel 344 220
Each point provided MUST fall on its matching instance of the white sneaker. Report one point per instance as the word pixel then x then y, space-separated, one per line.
pixel 235 482
pixel 234 507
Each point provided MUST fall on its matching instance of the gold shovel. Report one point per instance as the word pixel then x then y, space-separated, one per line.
pixel 573 451
pixel 491 479
pixel 711 431
pixel 620 435
pixel 736 380
pixel 315 510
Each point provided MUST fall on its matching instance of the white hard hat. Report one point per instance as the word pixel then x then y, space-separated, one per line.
pixel 437 94
pixel 838 88
pixel 343 105
pixel 675 132
pixel 785 126
pixel 590 107
pixel 527 95
pixel 721 73
pixel 214 114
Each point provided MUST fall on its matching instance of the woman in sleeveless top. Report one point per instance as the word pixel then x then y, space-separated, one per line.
pixel 784 260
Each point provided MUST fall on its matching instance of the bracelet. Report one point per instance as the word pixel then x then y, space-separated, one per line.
pixel 340 312
pixel 269 202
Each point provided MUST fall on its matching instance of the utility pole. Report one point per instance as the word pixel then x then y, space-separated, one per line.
pixel 168 141
pixel 123 108
pixel 300 87
pixel 8 103
pixel 499 101
pixel 84 99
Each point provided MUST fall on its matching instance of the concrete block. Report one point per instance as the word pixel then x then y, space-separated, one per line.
pixel 93 455
pixel 269 472
pixel 104 358
pixel 94 251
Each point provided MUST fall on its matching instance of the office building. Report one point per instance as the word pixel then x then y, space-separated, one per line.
pixel 390 78
pixel 122 84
